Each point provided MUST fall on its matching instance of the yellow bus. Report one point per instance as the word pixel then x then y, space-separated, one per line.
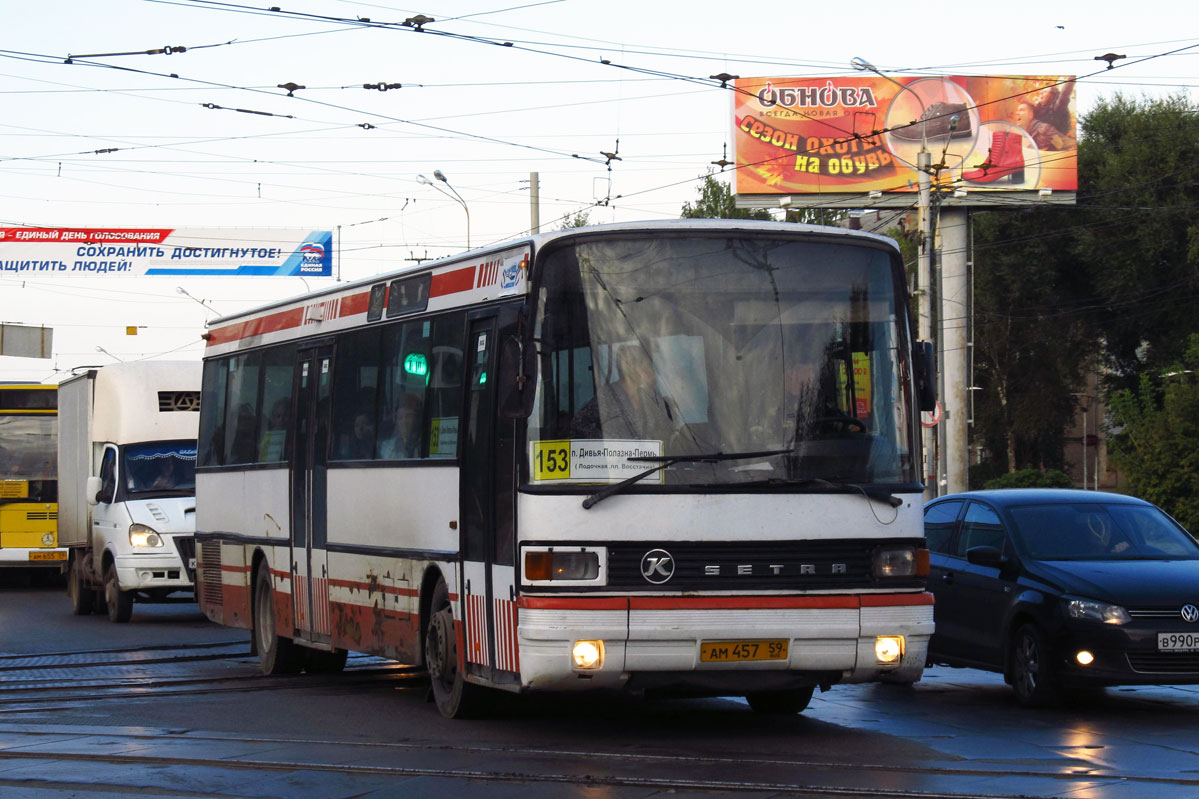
pixel 29 477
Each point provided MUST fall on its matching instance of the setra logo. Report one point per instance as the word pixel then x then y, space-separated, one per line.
pixel 657 566
pixel 1190 613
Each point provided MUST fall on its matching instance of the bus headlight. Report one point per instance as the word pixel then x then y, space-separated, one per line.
pixel 560 564
pixel 900 562
pixel 587 654
pixel 888 649
pixel 142 536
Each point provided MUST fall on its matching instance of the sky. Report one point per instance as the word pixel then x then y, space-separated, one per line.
pixel 488 94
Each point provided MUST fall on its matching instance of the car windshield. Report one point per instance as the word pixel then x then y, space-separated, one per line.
pixel 669 347
pixel 161 467
pixel 1100 531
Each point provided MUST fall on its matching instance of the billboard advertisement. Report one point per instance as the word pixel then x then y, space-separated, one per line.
pixel 192 252
pixel 863 133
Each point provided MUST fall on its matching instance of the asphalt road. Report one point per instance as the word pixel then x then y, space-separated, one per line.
pixel 172 706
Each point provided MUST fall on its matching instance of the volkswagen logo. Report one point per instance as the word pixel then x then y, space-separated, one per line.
pixel 657 566
pixel 1189 612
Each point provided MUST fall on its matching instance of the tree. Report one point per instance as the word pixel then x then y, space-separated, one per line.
pixel 577 219
pixel 716 201
pixel 1155 437
pixel 1138 166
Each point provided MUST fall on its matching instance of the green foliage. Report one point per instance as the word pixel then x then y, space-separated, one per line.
pixel 716 201
pixel 1155 437
pixel 1031 478
pixel 577 219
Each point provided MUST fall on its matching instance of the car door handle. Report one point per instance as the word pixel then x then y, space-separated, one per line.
pixel 947 577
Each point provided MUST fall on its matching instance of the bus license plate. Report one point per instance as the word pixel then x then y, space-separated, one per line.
pixel 47 556
pixel 1178 642
pixel 736 651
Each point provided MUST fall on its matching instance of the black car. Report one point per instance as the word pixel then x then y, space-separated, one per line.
pixel 1063 590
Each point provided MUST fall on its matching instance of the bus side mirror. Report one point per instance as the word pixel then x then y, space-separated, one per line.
pixel 518 378
pixel 92 490
pixel 924 368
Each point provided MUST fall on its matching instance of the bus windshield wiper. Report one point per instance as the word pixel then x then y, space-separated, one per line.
pixel 875 492
pixel 664 461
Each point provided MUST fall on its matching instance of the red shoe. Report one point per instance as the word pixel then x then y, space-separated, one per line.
pixel 1005 159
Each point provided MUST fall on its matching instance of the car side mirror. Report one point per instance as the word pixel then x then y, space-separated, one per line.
pixel 985 556
pixel 92 490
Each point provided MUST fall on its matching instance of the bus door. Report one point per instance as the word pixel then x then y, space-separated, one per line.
pixel 309 533
pixel 488 592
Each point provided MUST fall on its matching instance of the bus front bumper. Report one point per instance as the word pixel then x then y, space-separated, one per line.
pixel 732 644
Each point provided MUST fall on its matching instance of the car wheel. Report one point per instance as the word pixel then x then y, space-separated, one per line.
pixel 83 598
pixel 276 655
pixel 779 703
pixel 455 697
pixel 1033 677
pixel 120 603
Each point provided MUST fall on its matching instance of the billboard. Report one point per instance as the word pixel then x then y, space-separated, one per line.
pixel 859 134
pixel 193 252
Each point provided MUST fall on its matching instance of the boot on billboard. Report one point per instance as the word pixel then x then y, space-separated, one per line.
pixel 1005 159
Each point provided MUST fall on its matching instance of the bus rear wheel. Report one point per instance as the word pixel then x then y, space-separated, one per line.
pixel 455 697
pixel 120 603
pixel 779 703
pixel 276 655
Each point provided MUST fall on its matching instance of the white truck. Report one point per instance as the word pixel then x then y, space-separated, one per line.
pixel 127 483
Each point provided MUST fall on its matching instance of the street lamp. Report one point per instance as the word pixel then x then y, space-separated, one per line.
pixel 109 354
pixel 184 292
pixel 437 173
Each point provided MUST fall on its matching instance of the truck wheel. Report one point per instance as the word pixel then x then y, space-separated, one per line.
pixel 276 655
pixel 455 697
pixel 120 603
pixel 779 703
pixel 83 598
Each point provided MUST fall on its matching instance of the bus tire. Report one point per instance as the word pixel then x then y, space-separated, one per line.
pixel 779 703
pixel 318 661
pixel 455 697
pixel 120 603
pixel 276 655
pixel 83 598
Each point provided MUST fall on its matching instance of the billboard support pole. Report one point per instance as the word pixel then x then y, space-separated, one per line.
pixel 923 294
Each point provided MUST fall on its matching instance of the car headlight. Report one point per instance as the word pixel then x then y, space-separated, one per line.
pixel 1096 611
pixel 142 536
pixel 900 562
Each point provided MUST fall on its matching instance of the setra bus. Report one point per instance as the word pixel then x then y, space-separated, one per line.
pixel 663 457
pixel 29 477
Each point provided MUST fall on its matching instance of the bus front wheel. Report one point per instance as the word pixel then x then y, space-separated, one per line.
pixel 455 697
pixel 276 655
pixel 780 702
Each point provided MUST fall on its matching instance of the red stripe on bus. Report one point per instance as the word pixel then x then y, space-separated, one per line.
pixel 355 304
pixel 563 603
pixel 452 282
pixel 740 602
pixel 271 323
pixel 895 600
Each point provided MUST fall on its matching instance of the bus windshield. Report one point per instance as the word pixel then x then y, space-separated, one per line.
pixel 161 467
pixel 786 348
pixel 29 456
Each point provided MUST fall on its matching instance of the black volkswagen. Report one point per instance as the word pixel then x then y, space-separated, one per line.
pixel 1063 589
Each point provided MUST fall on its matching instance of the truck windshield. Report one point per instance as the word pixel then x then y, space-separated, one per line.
pixel 664 346
pixel 161 468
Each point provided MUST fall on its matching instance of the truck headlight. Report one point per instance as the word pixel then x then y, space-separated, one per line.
pixel 142 536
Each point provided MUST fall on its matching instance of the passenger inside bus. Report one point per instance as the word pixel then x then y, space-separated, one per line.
pixel 405 439
pixel 360 444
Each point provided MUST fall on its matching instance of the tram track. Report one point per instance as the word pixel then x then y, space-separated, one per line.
pixel 549 766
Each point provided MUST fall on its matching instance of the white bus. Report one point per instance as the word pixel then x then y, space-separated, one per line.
pixel 676 457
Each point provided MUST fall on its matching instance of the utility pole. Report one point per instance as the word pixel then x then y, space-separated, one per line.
pixel 924 298
pixel 534 203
